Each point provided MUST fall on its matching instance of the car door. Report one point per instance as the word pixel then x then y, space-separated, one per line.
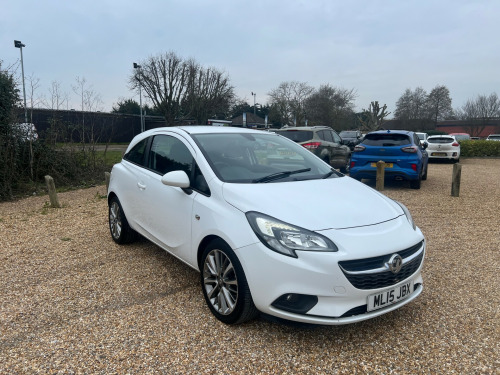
pixel 167 210
pixel 326 145
pixel 340 152
pixel 422 151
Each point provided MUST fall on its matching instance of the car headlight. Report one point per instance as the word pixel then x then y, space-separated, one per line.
pixel 286 238
pixel 407 214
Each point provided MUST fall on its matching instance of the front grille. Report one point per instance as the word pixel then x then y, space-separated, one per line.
pixel 372 273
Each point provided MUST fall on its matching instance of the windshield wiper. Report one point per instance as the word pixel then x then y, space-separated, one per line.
pixel 279 175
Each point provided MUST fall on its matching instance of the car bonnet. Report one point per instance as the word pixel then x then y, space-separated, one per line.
pixel 335 203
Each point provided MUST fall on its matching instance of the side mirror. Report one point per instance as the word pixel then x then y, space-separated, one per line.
pixel 424 144
pixel 176 179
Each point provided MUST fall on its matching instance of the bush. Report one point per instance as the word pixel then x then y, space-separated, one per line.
pixel 69 165
pixel 479 148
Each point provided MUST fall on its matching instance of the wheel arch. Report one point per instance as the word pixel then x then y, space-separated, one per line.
pixel 111 195
pixel 203 244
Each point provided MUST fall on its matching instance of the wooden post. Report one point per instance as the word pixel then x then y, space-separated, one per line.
pixel 380 175
pixel 51 187
pixel 455 180
pixel 107 177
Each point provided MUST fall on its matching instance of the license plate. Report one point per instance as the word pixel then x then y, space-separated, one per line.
pixel 438 154
pixel 387 165
pixel 389 296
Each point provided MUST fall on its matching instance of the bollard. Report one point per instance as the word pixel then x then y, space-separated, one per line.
pixel 455 180
pixel 380 176
pixel 51 187
pixel 107 177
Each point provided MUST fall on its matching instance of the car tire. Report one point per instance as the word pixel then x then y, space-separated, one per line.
pixel 118 225
pixel 345 169
pixel 224 284
pixel 415 184
pixel 424 176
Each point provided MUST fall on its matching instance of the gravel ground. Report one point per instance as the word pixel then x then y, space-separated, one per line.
pixel 72 301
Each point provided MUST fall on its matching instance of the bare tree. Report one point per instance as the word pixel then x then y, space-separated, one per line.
pixel 164 80
pixel 182 89
pixel 479 112
pixel 412 105
pixel 328 105
pixel 208 92
pixel 33 86
pixel 439 103
pixel 57 97
pixel 288 100
pixel 373 117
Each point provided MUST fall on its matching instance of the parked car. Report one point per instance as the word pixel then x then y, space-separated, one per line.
pixel 461 136
pixel 443 147
pixel 269 226
pixel 25 131
pixel 323 142
pixel 405 157
pixel 351 138
pixel 493 137
pixel 422 136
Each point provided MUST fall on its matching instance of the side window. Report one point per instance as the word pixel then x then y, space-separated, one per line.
pixel 336 137
pixel 137 153
pixel 416 139
pixel 169 154
pixel 327 136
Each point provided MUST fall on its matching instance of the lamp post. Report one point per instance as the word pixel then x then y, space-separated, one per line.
pixel 254 95
pixel 18 44
pixel 137 66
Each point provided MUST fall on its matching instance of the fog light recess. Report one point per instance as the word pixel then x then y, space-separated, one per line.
pixel 295 303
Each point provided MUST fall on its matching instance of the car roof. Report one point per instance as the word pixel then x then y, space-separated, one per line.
pixel 202 129
pixel 406 132
pixel 305 127
pixel 441 135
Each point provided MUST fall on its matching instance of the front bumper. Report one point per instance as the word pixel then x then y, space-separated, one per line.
pixel 271 275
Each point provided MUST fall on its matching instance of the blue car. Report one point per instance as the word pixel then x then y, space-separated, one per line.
pixel 401 150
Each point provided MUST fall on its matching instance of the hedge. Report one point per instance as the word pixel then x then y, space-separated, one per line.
pixel 479 148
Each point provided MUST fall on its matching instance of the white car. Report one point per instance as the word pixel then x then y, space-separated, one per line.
pixel 443 147
pixel 270 227
pixel 422 136
pixel 493 137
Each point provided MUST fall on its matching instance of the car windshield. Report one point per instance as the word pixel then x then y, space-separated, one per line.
pixel 296 135
pixel 260 158
pixel 440 140
pixel 347 134
pixel 421 136
pixel 386 139
pixel 495 137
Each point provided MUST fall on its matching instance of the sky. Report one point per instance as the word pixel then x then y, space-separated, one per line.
pixel 377 48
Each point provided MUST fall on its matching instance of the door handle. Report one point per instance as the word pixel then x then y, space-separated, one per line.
pixel 141 186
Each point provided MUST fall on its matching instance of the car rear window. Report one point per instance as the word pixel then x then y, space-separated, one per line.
pixel 386 139
pixel 440 140
pixel 297 135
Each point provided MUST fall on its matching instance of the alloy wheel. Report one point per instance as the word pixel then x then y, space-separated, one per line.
pixel 115 221
pixel 220 282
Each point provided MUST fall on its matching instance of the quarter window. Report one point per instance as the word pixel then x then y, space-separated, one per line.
pixel 336 137
pixel 137 153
